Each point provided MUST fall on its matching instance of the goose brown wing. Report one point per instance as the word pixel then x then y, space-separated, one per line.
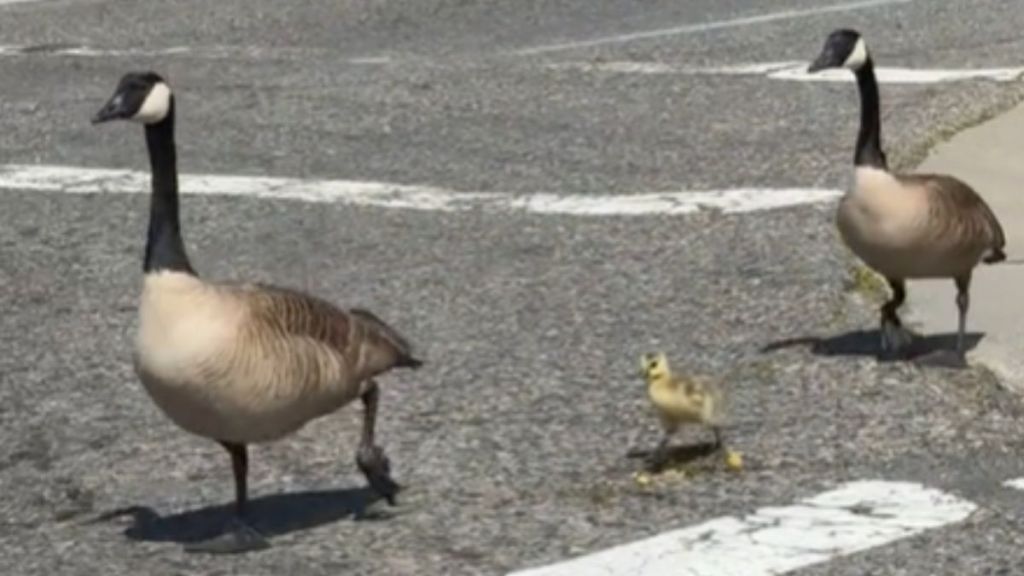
pixel 961 213
pixel 379 332
pixel 292 312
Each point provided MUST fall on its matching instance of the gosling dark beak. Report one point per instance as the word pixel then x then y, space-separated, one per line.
pixel 112 110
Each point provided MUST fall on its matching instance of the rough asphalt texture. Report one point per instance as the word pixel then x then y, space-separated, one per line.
pixel 513 440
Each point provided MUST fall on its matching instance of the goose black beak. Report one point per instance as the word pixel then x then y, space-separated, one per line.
pixel 823 61
pixel 112 110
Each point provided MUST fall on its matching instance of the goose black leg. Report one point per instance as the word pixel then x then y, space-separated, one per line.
pixel 370 458
pixel 963 301
pixel 894 337
pixel 956 358
pixel 238 537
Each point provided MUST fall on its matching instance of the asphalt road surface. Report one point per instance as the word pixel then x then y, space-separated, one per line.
pixel 513 440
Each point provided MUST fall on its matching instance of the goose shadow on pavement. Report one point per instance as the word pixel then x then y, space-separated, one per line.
pixel 866 343
pixel 273 515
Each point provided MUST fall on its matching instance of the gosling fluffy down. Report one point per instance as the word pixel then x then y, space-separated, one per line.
pixel 680 400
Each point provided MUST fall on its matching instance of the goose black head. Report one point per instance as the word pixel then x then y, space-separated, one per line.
pixel 140 96
pixel 844 48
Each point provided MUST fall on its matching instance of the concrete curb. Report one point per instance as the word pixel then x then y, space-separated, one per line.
pixel 989 157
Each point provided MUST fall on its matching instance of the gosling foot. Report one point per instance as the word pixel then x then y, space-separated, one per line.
pixel 658 460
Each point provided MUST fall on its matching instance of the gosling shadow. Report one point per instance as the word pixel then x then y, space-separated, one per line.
pixel 867 343
pixel 273 515
pixel 676 456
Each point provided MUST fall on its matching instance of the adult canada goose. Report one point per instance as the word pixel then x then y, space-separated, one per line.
pixel 907 225
pixel 242 363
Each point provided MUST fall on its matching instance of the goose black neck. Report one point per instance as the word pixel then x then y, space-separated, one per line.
pixel 165 249
pixel 869 140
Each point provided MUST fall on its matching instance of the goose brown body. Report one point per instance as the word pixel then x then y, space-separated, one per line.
pixel 917 225
pixel 907 226
pixel 252 363
pixel 242 363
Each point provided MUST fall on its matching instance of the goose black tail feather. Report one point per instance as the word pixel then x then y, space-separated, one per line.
pixel 409 362
pixel 401 344
pixel 994 256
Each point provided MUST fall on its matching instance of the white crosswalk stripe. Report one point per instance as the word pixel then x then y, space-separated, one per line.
pixel 797 71
pixel 75 180
pixel 776 540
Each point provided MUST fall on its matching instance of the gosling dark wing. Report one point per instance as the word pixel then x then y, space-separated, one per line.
pixel 962 213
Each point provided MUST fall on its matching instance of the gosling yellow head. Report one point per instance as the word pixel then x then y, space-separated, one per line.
pixel 654 366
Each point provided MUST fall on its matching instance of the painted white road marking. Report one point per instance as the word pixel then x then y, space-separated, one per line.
pixel 797 71
pixel 76 180
pixel 707 26
pixel 1016 483
pixel 207 52
pixel 776 540
pixel 90 52
pixel 892 75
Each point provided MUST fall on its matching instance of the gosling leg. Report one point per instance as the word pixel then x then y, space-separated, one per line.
pixel 659 457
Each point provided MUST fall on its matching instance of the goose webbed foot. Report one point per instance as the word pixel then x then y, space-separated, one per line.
pixel 944 358
pixel 895 340
pixel 955 358
pixel 374 464
pixel 237 538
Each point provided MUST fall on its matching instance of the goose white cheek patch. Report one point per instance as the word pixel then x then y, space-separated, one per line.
pixel 156 105
pixel 858 56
